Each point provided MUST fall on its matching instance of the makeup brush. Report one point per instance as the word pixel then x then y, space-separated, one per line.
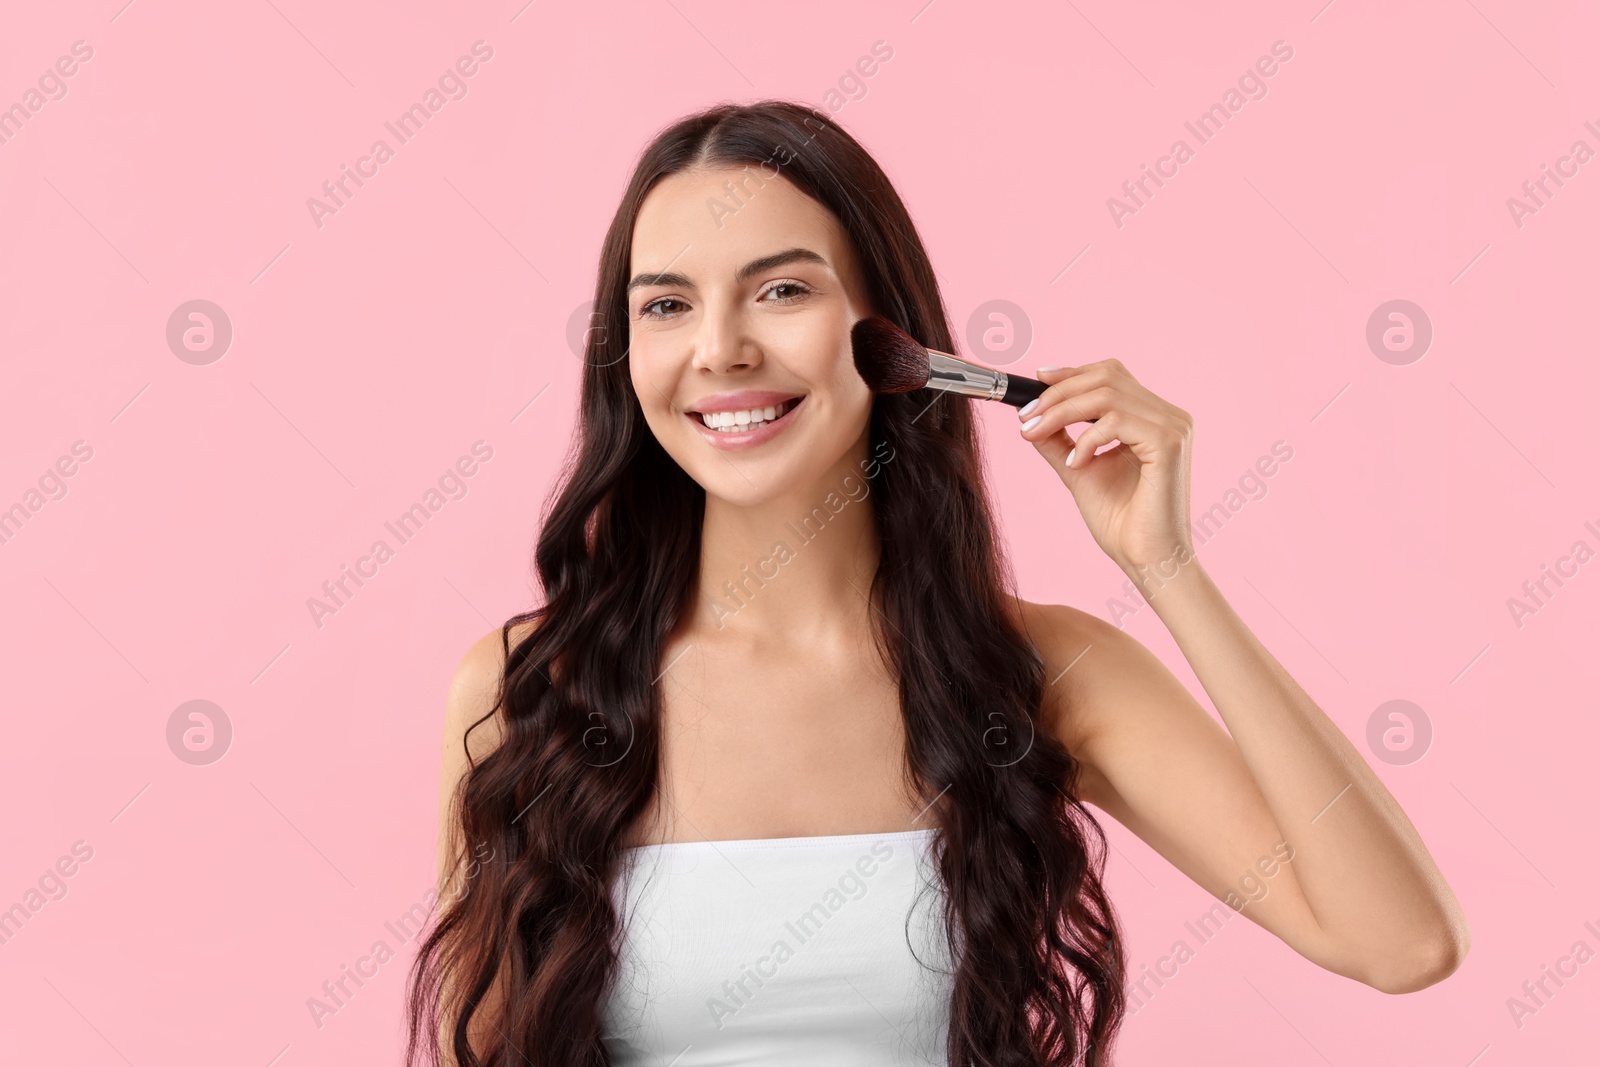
pixel 890 360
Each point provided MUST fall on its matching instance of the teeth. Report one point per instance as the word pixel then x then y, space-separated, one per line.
pixel 743 421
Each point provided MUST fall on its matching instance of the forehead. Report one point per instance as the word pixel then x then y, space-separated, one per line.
pixel 712 221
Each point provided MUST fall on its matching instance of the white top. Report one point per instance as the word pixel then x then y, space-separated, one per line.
pixel 792 950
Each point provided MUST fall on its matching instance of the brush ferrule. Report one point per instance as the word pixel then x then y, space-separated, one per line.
pixel 952 375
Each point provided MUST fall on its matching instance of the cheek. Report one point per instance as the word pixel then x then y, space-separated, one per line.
pixel 849 391
pixel 821 356
pixel 652 381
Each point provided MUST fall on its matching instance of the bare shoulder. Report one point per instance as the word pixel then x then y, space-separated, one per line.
pixel 1091 668
pixel 474 689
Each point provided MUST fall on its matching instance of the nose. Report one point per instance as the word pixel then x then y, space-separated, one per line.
pixel 722 344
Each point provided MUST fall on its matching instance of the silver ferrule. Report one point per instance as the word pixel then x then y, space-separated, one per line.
pixel 952 375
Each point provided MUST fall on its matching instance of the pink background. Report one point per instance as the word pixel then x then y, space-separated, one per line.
pixel 432 309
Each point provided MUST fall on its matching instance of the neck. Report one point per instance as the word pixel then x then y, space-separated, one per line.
pixel 799 564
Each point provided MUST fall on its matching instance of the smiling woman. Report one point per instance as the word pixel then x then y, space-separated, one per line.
pixel 773 293
pixel 630 728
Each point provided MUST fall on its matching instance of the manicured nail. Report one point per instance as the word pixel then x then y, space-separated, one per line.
pixel 1041 370
pixel 1031 423
pixel 1029 406
pixel 1070 453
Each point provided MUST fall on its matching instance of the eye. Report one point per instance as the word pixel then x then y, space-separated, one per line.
pixel 646 313
pixel 799 290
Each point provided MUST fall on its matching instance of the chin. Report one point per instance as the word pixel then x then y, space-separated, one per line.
pixel 749 482
pixel 777 461
pixel 730 487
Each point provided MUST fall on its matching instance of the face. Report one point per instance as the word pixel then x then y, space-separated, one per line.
pixel 739 315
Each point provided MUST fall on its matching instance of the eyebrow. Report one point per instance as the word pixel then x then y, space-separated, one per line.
pixel 755 266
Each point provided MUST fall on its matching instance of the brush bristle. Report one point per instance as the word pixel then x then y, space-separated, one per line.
pixel 888 359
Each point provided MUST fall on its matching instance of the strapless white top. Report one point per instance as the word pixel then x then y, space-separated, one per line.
pixel 804 951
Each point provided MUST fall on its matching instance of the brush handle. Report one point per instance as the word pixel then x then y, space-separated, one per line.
pixel 1020 390
pixel 952 374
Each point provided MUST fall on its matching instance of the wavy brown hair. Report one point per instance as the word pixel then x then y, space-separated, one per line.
pixel 1038 957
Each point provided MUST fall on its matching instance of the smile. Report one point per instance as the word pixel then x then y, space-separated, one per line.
pixel 748 419
pixel 745 428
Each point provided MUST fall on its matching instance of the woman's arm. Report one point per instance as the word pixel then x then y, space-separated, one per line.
pixel 1286 802
pixel 1283 820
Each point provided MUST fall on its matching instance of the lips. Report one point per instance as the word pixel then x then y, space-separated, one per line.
pixel 739 420
pixel 750 433
pixel 742 399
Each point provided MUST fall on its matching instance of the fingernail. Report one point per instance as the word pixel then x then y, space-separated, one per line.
pixel 1041 370
pixel 1029 406
pixel 1070 453
pixel 1031 423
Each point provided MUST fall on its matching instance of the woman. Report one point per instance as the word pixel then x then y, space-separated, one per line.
pixel 780 695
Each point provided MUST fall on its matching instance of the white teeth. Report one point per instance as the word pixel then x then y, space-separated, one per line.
pixel 743 421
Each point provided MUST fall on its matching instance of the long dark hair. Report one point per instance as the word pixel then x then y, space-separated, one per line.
pixel 1038 950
